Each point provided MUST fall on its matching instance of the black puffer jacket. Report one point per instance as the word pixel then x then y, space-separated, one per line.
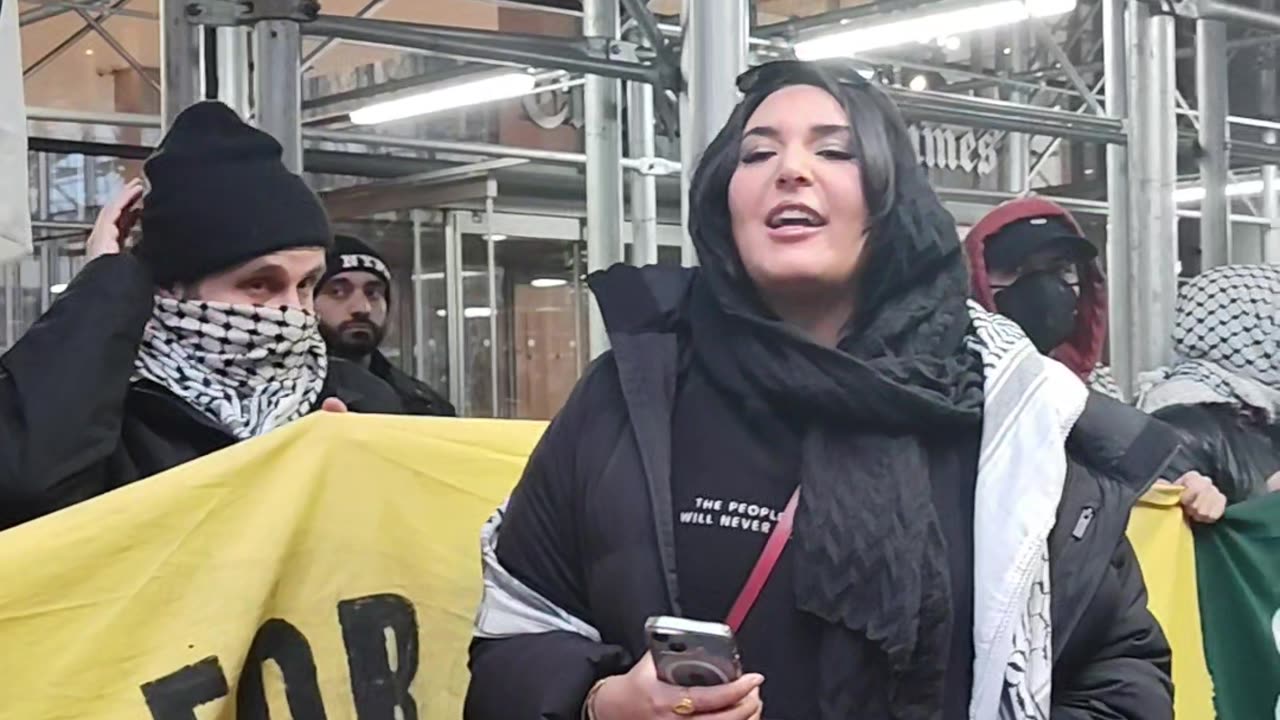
pixel 1238 451
pixel 590 528
pixel 72 423
pixel 417 397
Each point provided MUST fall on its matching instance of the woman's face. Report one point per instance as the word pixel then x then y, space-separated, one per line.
pixel 795 200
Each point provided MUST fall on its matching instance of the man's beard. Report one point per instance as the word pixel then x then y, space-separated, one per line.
pixel 353 339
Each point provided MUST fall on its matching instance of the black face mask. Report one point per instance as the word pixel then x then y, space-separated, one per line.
pixel 1043 305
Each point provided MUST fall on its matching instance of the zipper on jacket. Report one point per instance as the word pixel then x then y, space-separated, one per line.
pixel 1082 523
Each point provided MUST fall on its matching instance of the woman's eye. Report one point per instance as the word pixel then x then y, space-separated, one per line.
pixel 835 154
pixel 756 156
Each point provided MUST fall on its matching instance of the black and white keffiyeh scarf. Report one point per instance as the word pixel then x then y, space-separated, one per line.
pixel 1227 339
pixel 248 367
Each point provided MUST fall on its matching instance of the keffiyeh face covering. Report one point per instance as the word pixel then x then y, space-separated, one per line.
pixel 248 367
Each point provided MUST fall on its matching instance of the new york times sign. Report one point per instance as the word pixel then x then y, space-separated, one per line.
pixel 939 147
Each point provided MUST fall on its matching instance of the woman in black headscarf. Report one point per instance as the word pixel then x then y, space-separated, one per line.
pixel 947 555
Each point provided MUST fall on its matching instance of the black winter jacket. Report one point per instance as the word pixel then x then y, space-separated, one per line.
pixel 72 423
pixel 1237 452
pixel 590 528
pixel 417 397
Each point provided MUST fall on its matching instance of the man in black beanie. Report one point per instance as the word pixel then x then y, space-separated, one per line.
pixel 352 300
pixel 202 335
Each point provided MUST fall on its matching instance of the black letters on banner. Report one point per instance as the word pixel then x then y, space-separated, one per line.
pixel 279 641
pixel 378 687
pixel 177 695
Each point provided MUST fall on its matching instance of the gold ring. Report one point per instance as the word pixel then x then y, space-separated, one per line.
pixel 685 707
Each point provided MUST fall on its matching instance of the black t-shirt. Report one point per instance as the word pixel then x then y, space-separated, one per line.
pixel 731 478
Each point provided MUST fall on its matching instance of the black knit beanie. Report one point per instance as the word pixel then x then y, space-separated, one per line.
pixel 350 253
pixel 220 196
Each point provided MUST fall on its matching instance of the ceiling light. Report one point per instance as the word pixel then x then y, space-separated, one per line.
pixel 951 42
pixel 919 83
pixel 58 289
pixel 548 282
pixel 89 51
pixel 462 94
pixel 926 25
pixel 469 312
pixel 496 237
pixel 1236 189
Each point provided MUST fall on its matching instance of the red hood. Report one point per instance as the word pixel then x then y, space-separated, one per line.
pixel 1083 350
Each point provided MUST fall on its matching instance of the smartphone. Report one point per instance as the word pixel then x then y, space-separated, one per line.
pixel 689 653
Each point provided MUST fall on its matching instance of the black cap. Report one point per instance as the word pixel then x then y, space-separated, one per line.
pixel 220 195
pixel 1012 244
pixel 350 254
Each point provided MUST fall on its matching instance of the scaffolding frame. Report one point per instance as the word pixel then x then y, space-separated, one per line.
pixel 1137 82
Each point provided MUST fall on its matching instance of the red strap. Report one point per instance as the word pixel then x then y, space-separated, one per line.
pixel 764 565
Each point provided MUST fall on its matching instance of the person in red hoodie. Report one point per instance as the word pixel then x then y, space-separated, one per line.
pixel 1029 261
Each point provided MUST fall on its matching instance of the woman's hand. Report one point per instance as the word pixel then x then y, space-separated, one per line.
pixel 640 695
pixel 1201 501
pixel 114 222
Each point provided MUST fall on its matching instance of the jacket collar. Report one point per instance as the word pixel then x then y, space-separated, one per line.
pixel 643 311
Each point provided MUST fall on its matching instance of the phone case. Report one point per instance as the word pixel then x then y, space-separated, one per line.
pixel 693 654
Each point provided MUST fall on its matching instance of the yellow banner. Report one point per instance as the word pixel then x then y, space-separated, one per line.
pixel 1167 552
pixel 328 570
pixel 344 549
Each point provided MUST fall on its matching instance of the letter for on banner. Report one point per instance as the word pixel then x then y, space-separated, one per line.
pixel 176 696
pixel 379 683
pixel 279 641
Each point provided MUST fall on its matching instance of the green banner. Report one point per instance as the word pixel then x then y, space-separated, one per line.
pixel 1238 567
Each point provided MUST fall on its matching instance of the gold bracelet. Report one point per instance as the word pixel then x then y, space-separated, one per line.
pixel 589 712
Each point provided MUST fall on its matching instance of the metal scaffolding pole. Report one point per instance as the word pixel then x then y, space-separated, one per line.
pixel 644 188
pixel 1271 209
pixel 277 54
pixel 179 60
pixel 603 144
pixel 1231 12
pixel 491 267
pixel 1016 158
pixel 1154 171
pixel 1211 102
pixel 715 53
pixel 454 312
pixel 419 298
pixel 235 83
pixel 1269 104
pixel 1120 270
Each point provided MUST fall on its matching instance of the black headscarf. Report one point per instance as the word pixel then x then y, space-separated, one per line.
pixel 870 554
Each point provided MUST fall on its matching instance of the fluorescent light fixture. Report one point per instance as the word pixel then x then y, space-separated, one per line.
pixel 496 237
pixel 1236 189
pixel 468 312
pixel 439 274
pixel 57 289
pixel 928 26
pixel 462 94
pixel 548 282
